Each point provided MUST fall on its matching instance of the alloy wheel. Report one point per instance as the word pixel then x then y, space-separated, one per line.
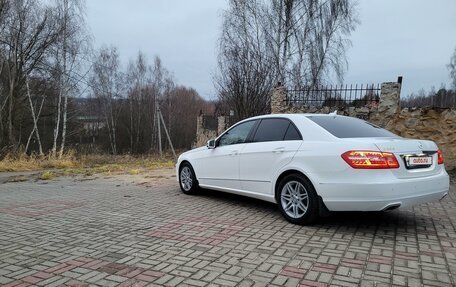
pixel 186 178
pixel 294 199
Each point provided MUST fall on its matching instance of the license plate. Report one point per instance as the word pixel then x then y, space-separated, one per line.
pixel 418 161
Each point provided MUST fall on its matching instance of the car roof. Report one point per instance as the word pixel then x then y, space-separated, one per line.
pixel 292 116
pixel 302 122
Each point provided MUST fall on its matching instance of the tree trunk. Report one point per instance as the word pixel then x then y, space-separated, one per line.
pixel 65 82
pixel 11 138
pixel 57 124
pixel 131 124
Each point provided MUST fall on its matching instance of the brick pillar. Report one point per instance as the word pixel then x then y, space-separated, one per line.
pixel 279 95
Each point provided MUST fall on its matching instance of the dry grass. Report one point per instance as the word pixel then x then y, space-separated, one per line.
pixel 21 162
pixel 72 164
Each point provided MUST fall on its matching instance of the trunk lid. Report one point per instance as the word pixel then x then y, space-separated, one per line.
pixel 409 153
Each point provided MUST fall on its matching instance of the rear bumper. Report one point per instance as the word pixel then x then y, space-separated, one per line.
pixel 376 196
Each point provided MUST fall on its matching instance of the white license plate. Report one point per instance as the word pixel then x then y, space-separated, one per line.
pixel 422 160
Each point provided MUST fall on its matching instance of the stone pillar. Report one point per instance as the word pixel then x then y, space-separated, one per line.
pixel 278 99
pixel 199 124
pixel 389 104
pixel 221 124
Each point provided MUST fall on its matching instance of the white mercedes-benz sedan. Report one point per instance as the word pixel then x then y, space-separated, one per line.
pixel 313 163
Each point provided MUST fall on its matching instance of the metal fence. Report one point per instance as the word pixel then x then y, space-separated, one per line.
pixel 335 96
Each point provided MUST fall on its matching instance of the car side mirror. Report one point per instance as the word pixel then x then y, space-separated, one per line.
pixel 210 144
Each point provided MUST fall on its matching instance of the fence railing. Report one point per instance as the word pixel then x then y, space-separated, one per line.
pixel 335 96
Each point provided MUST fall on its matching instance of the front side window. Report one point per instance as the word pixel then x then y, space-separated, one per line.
pixel 271 130
pixel 237 135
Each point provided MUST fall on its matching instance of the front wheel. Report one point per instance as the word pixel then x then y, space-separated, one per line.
pixel 187 179
pixel 297 199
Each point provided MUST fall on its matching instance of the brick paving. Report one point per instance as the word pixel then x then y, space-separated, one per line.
pixel 142 231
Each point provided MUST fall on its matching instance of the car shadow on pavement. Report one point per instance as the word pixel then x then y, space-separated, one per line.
pixel 396 218
pixel 238 199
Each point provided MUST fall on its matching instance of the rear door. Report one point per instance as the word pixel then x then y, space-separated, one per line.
pixel 273 145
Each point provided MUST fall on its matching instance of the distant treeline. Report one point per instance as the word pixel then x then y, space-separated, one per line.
pixel 443 98
pixel 57 93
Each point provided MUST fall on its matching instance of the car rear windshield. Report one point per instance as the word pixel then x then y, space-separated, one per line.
pixel 346 127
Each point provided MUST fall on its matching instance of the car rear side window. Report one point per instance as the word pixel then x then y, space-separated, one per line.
pixel 271 130
pixel 292 134
pixel 347 127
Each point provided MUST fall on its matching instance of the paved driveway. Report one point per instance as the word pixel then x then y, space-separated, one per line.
pixel 140 230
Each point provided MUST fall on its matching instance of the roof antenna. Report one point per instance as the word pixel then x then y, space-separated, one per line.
pixel 333 113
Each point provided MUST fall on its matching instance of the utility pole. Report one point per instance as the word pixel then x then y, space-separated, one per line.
pixel 157 111
pixel 167 134
pixel 159 117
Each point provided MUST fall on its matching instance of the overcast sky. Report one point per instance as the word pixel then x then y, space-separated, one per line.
pixel 412 38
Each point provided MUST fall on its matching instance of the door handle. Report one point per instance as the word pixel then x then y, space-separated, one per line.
pixel 234 152
pixel 278 150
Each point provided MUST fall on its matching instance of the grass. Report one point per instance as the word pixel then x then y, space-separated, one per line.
pixel 134 171
pixel 71 164
pixel 47 175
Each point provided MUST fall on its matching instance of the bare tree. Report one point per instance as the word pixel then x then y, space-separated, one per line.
pixel 245 73
pixel 309 39
pixel 182 105
pixel 138 74
pixel 298 43
pixel 29 31
pixel 107 84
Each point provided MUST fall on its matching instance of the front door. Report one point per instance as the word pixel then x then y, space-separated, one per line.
pixel 219 167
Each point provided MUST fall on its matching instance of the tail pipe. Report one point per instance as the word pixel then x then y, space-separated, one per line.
pixel 392 206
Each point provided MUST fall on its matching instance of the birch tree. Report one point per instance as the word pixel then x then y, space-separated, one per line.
pixel 72 44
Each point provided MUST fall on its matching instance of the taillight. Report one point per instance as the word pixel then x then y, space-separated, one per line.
pixel 439 157
pixel 366 159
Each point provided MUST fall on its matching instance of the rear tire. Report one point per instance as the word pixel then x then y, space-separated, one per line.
pixel 187 179
pixel 297 199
